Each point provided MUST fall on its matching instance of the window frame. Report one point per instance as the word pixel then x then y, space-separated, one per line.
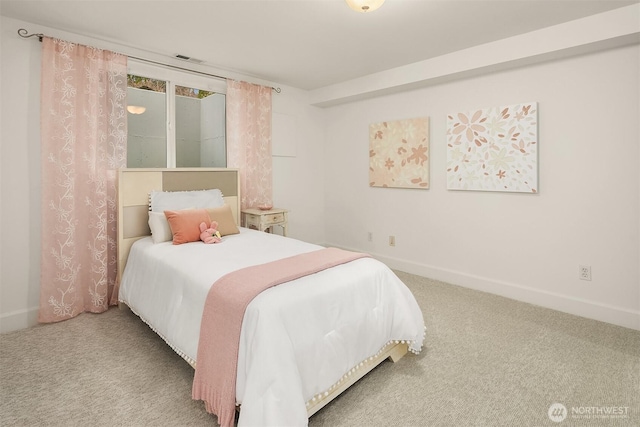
pixel 174 77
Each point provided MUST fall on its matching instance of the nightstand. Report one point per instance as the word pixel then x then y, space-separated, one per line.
pixel 264 220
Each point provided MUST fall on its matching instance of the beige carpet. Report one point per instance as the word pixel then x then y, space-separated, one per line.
pixel 488 361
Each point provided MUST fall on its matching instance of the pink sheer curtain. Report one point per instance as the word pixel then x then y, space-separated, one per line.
pixel 249 140
pixel 84 135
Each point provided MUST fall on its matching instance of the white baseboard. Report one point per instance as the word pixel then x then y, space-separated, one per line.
pixel 564 303
pixel 19 319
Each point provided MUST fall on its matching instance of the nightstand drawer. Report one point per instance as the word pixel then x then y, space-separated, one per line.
pixel 252 222
pixel 273 218
pixel 265 220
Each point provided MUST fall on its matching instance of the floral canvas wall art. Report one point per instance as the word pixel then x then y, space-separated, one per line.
pixel 399 153
pixel 494 149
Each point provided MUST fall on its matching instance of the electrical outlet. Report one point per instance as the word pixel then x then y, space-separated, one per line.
pixel 392 240
pixel 584 272
pixel 370 236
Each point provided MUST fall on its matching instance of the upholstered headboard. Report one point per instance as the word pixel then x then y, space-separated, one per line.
pixel 134 186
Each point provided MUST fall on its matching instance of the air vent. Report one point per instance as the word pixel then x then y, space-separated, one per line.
pixel 187 58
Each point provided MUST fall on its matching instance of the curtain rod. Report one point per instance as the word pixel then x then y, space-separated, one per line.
pixel 25 35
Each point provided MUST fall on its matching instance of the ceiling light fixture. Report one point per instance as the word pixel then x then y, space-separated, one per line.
pixel 135 109
pixel 364 5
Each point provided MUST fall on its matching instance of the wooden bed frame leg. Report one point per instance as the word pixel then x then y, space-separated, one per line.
pixel 398 352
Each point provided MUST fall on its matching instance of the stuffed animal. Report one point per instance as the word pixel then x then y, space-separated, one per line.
pixel 210 233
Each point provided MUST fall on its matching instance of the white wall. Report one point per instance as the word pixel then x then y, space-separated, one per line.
pixel 523 246
pixel 298 180
pixel 20 171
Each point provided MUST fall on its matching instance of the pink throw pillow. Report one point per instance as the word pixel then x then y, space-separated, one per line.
pixel 185 224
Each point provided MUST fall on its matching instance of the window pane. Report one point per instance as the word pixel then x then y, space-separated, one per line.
pixel 147 123
pixel 200 128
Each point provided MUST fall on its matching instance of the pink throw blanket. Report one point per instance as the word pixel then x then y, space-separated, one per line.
pixel 217 360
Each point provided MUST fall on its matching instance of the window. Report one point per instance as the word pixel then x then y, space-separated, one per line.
pixel 175 119
pixel 200 128
pixel 146 122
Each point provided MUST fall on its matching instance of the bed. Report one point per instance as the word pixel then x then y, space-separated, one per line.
pixel 302 342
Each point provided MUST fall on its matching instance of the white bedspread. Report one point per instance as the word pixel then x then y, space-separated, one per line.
pixel 297 339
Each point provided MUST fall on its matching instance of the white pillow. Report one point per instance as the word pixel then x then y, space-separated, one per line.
pixel 160 229
pixel 161 201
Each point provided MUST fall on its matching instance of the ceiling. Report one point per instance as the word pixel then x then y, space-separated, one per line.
pixel 306 44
